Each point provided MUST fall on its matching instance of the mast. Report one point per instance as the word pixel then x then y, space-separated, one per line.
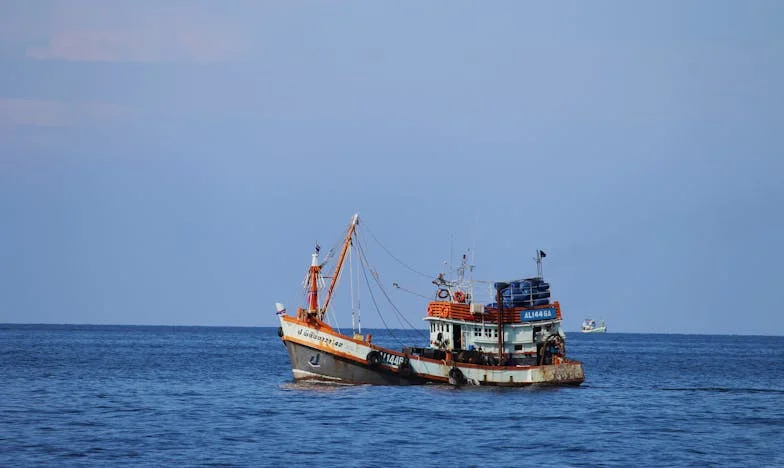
pixel 500 301
pixel 313 275
pixel 346 244
pixel 539 256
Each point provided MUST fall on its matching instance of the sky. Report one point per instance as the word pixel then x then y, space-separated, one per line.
pixel 174 162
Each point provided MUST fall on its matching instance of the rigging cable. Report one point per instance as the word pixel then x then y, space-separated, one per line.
pixel 381 287
pixel 399 314
pixel 397 286
pixel 351 288
pixel 395 258
pixel 375 303
pixel 359 299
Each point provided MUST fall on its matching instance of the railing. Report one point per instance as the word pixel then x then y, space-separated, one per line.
pixel 456 311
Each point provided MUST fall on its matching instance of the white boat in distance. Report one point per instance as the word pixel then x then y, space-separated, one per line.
pixel 590 326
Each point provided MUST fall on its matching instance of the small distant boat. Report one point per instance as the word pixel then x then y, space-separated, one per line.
pixel 590 326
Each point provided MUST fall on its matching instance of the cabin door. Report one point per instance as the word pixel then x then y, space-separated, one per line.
pixel 457 337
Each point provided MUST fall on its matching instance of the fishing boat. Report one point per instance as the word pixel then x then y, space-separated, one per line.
pixel 514 341
pixel 590 326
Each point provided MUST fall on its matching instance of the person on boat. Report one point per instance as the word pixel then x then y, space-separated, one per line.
pixel 441 342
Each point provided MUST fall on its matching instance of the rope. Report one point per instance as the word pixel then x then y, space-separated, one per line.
pixel 396 285
pixel 351 287
pixel 364 265
pixel 375 304
pixel 400 315
pixel 359 302
pixel 395 258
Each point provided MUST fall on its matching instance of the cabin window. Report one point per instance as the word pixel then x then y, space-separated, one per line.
pixel 477 331
pixel 487 332
pixel 495 333
pixel 518 347
pixel 447 327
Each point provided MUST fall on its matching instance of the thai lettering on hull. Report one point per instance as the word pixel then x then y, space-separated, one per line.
pixel 326 339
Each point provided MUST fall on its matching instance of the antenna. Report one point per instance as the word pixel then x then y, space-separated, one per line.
pixel 540 254
pixel 451 254
pixel 471 277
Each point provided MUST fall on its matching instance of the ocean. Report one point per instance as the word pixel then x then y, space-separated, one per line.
pixel 135 395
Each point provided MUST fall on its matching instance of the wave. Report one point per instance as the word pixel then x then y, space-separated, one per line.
pixel 722 390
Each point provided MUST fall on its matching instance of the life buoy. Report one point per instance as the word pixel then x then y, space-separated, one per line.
pixel 373 358
pixel 443 293
pixel 456 376
pixel 459 296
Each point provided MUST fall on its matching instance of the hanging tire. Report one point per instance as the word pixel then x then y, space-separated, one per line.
pixel 373 359
pixel 456 376
pixel 405 370
pixel 280 332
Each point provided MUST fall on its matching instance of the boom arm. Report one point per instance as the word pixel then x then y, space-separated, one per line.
pixel 346 244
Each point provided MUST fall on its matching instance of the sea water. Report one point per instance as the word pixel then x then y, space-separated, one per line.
pixel 112 395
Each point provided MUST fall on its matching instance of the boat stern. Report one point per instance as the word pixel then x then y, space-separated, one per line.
pixel 567 372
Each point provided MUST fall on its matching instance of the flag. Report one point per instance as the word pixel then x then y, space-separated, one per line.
pixel 318 247
pixel 542 254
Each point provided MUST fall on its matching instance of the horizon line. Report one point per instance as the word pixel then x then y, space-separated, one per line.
pixel 19 324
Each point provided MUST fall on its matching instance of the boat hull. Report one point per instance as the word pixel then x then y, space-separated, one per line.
pixel 313 364
pixel 596 330
pixel 319 353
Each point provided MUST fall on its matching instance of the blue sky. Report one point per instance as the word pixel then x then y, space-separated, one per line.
pixel 173 162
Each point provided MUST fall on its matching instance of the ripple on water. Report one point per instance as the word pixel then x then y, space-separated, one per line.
pixel 216 396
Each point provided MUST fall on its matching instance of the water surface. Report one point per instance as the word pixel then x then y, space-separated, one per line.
pixel 76 395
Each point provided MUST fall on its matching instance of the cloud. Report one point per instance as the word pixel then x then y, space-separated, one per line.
pixel 141 31
pixel 32 112
pixel 16 113
pixel 133 46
